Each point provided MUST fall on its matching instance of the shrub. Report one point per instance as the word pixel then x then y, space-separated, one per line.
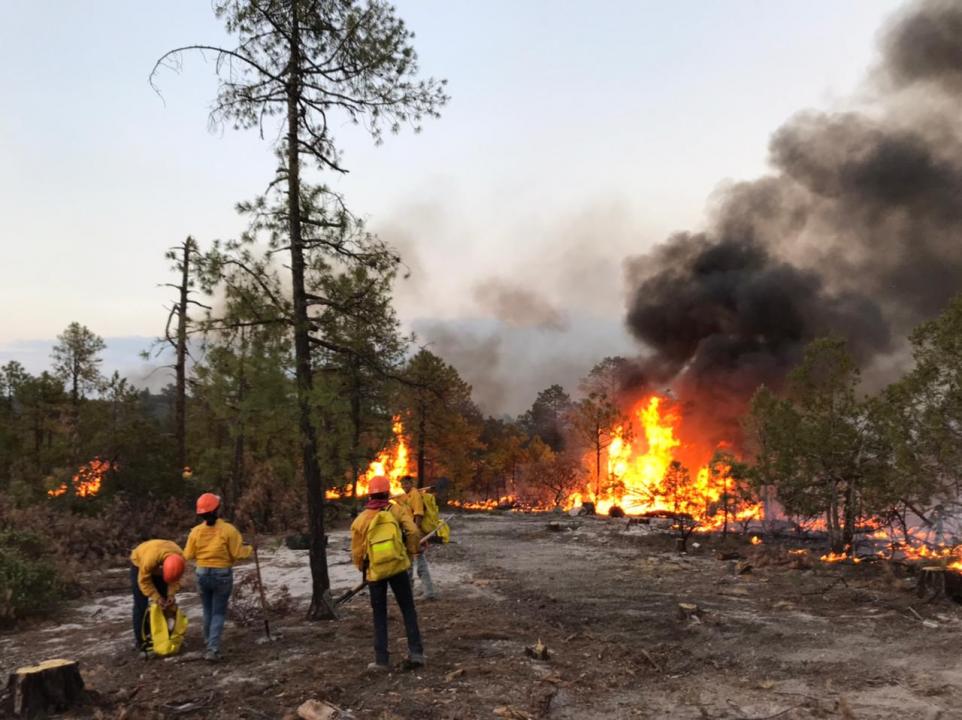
pixel 29 583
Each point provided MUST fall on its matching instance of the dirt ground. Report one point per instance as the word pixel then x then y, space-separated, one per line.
pixel 777 641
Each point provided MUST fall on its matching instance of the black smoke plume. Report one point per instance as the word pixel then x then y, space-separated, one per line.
pixel 856 232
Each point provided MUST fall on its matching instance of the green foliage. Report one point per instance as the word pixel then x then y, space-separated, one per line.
pixel 549 416
pixel 556 474
pixel 811 445
pixel 440 418
pixel 76 360
pixel 29 583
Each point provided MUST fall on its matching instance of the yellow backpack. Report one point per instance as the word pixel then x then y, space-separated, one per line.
pixel 166 641
pixel 432 518
pixel 386 554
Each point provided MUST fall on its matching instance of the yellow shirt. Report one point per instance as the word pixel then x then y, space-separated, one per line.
pixel 149 558
pixel 216 546
pixel 413 501
pixel 412 536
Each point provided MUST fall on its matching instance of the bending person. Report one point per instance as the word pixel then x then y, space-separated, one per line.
pixel 156 567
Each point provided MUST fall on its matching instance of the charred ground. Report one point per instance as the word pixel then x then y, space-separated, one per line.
pixel 780 640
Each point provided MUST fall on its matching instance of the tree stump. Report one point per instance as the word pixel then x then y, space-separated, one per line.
pixel 51 686
pixel 931 582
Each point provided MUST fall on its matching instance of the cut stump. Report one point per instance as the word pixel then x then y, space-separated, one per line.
pixel 938 582
pixel 51 686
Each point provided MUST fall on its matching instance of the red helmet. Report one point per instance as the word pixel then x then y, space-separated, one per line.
pixel 208 502
pixel 173 568
pixel 379 484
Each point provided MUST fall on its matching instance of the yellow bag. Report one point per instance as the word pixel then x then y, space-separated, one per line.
pixel 166 641
pixel 432 518
pixel 386 554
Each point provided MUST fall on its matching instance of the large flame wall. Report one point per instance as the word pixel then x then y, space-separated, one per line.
pixel 640 477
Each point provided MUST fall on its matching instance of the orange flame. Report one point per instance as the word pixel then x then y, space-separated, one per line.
pixel 644 480
pixel 391 462
pixel 88 479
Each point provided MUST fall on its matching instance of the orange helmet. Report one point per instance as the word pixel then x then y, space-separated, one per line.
pixel 379 484
pixel 208 502
pixel 173 567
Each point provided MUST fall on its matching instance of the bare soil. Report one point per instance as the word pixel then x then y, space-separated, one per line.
pixel 832 641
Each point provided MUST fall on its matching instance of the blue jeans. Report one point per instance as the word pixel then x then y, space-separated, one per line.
pixel 214 586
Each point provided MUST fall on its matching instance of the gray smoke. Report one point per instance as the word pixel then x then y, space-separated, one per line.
pixel 856 233
pixel 518 306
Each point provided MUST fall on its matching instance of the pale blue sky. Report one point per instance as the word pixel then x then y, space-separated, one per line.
pixel 601 125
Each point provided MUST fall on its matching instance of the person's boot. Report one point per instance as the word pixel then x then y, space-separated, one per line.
pixel 415 661
pixel 378 668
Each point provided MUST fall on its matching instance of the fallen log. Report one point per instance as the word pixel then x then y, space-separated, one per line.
pixel 51 686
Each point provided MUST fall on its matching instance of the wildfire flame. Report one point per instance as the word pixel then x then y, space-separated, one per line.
pixel 391 462
pixel 641 477
pixel 88 479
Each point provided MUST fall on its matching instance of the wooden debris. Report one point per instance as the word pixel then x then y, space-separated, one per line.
pixel 650 659
pixel 454 674
pixel 744 567
pixel 690 611
pixel 724 555
pixel 510 712
pixel 187 707
pixel 54 685
pixel 539 651
pixel 320 710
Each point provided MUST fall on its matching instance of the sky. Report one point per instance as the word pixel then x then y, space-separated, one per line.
pixel 578 134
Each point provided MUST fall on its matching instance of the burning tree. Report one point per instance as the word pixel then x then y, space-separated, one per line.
pixel 738 502
pixel 559 473
pixel 676 489
pixel 598 421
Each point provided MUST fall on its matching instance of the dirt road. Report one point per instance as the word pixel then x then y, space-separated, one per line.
pixel 774 642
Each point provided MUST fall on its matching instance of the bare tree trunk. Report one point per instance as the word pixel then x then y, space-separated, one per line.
pixel 322 604
pixel 355 424
pixel 725 500
pixel 237 467
pixel 180 366
pixel 597 463
pixel 422 437
pixel 834 535
pixel 849 517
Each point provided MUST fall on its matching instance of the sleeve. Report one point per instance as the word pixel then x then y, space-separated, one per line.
pixel 417 504
pixel 357 544
pixel 235 545
pixel 190 550
pixel 144 581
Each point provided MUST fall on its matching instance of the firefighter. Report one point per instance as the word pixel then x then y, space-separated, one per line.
pixel 383 540
pixel 413 499
pixel 156 567
pixel 216 546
